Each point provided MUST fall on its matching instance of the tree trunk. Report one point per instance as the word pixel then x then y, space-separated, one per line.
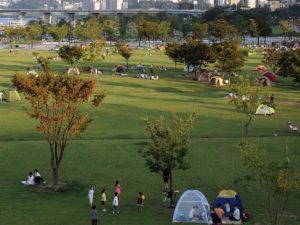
pixel 127 64
pixel 248 121
pixel 171 190
pixel 175 65
pixel 55 177
pixel 257 40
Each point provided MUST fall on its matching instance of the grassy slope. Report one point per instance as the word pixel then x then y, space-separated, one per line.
pixel 108 149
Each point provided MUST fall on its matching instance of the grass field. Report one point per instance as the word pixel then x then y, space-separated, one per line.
pixel 107 151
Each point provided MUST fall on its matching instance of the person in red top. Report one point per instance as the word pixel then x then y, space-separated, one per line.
pixel 219 211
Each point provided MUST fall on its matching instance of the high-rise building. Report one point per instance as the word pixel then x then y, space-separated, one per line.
pixel 87 4
pixel 132 4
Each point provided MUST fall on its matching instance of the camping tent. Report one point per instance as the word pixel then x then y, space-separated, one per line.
pixel 192 200
pixel 270 75
pixel 216 80
pixel 264 110
pixel 229 196
pixel 11 95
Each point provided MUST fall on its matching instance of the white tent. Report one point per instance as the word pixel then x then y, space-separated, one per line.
pixel 192 207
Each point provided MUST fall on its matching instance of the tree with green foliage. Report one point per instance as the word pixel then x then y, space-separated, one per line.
pixel 230 58
pixel 173 50
pixel 197 54
pixel 200 30
pixel 14 34
pixel 89 29
pixel 288 63
pixel 241 24
pixel 140 29
pixel 58 33
pixel 70 54
pixel 221 29
pixel 215 13
pixel 265 28
pixel 123 22
pixel 271 57
pixel 43 62
pixel 34 33
pixel 151 30
pixel 286 28
pixel 248 98
pixel 110 28
pixel 125 51
pixel 56 103
pixel 277 179
pixel 164 30
pixel 168 145
pixel 254 29
pixel 94 53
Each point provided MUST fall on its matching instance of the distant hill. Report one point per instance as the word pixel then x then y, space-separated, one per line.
pixel 33 4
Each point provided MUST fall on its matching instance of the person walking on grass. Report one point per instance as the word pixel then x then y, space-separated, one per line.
pixel 91 195
pixel 140 201
pixel 103 200
pixel 118 187
pixel 116 204
pixel 94 215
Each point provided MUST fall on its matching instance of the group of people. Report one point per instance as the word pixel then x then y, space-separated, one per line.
pixel 218 214
pixel 143 74
pixel 33 178
pixel 115 202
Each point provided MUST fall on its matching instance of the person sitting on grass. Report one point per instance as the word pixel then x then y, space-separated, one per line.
pixel 29 180
pixel 194 214
pixel 215 218
pixel 219 211
pixel 38 179
pixel 1 96
pixel 236 215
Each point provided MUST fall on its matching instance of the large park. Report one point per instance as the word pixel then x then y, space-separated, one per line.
pixel 209 133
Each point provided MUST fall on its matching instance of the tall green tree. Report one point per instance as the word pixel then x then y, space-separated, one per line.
pixel 58 33
pixel 56 103
pixel 94 53
pixel 125 51
pixel 110 28
pixel 230 58
pixel 70 54
pixel 248 98
pixel 197 54
pixel 34 33
pixel 164 30
pixel 254 29
pixel 288 64
pixel 277 179
pixel 89 29
pixel 200 30
pixel 221 29
pixel 173 50
pixel 271 57
pixel 286 28
pixel 168 145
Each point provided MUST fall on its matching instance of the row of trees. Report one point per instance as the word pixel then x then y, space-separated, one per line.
pixel 257 23
pixel 225 50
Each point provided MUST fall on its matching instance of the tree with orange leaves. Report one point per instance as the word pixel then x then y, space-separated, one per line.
pixel 56 102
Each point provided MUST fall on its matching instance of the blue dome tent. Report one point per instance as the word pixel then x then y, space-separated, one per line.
pixel 192 207
pixel 229 196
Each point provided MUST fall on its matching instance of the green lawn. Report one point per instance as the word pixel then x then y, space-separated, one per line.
pixel 107 151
